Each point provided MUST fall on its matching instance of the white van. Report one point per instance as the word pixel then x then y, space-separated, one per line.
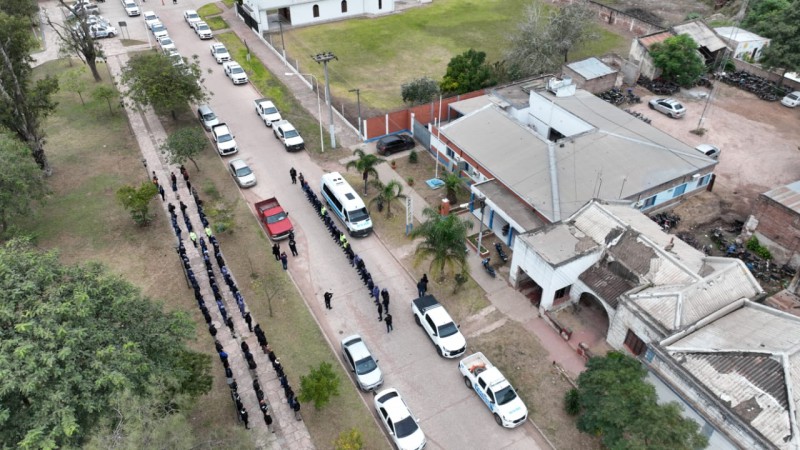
pixel 345 203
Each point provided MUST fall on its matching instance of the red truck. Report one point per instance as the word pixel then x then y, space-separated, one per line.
pixel 274 219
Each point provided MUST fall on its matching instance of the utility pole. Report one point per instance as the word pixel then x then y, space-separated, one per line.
pixel 283 44
pixel 358 100
pixel 482 203
pixel 324 58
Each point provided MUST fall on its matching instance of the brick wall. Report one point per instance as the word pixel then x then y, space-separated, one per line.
pixel 778 223
pixel 617 18
pixel 771 76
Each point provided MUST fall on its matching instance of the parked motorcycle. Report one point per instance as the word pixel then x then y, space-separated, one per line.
pixel 488 268
pixel 499 247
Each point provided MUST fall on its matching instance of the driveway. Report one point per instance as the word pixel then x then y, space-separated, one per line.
pixel 451 415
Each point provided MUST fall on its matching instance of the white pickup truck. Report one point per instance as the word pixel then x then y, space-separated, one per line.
pixel 289 136
pixel 267 111
pixel 496 392
pixel 444 333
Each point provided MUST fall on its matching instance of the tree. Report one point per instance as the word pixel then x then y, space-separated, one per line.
pixel 24 103
pixel 620 407
pixel 103 92
pixel 73 81
pixel 365 164
pixel 784 49
pixel 545 36
pixel 74 339
pixel 763 14
pixel 467 72
pixel 185 143
pixel 451 184
pixel 153 80
pixel 24 8
pixel 349 440
pixel 419 91
pixel 21 181
pixel 678 59
pixel 319 385
pixel 137 201
pixel 76 37
pixel 444 242
pixel 388 193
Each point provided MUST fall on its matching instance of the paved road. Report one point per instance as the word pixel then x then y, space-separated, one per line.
pixel 451 415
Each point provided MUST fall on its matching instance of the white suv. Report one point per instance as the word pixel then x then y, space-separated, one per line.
pixel 226 144
pixel 220 53
pixel 235 72
pixel 203 30
pixel 131 8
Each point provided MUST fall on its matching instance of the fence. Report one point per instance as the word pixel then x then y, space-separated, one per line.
pixel 764 73
pixel 617 18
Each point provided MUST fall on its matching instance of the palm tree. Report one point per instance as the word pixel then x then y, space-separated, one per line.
pixel 444 241
pixel 365 163
pixel 451 184
pixel 387 194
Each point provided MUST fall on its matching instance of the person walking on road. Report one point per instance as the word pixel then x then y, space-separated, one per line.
pixel 193 237
pixel 302 180
pixel 293 246
pixel 293 174
pixel 161 193
pixel 276 251
pixel 249 320
pixel 296 408
pixel 422 286
pixel 328 296
pixel 380 312
pixel 284 260
pixel 174 181
pixel 385 296
pixel 388 321
pixel 376 293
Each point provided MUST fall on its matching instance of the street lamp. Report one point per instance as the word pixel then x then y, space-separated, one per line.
pixel 323 58
pixel 319 107
pixel 358 99
pixel 481 201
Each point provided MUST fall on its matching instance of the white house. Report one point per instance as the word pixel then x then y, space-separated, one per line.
pixel 305 12
pixel 746 45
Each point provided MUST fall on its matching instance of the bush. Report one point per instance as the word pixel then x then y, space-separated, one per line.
pixel 754 246
pixel 413 158
pixel 572 402
pixel 419 91
pixel 692 16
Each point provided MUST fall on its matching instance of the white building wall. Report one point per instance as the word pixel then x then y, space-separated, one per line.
pixel 625 320
pixel 550 279
pixel 669 194
pixel 302 12
pixel 716 440
pixel 744 50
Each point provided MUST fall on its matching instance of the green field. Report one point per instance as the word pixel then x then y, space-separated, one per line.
pixel 378 55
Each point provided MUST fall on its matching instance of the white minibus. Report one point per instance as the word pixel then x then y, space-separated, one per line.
pixel 345 203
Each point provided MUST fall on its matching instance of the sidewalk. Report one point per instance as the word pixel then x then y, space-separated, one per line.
pixel 507 300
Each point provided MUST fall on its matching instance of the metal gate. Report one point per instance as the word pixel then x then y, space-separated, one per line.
pixel 246 16
pixel 422 134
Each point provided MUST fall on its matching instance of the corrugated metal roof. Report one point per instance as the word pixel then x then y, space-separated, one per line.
pixel 738 34
pixel 750 359
pixel 605 283
pixel 655 38
pixel 702 34
pixel 591 68
pixel 559 243
pixel 471 104
pixel 788 196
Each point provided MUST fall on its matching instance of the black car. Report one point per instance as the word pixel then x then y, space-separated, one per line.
pixel 395 143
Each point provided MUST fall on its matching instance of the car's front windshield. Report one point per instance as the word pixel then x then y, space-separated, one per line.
pixel 506 395
pixel 271 110
pixel 243 172
pixel 365 365
pixel 448 329
pixel 236 69
pixel 291 133
pixel 276 218
pixel 358 215
pixel 405 427
pixel 224 138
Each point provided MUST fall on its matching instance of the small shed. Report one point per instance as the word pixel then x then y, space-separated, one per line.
pixel 746 45
pixel 591 75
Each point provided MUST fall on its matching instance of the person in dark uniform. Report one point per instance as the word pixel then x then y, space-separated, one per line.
pixel 276 251
pixel 249 320
pixel 388 321
pixel 293 174
pixel 328 296
pixel 385 296
pixel 293 246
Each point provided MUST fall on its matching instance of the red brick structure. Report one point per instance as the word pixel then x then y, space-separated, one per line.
pixel 778 214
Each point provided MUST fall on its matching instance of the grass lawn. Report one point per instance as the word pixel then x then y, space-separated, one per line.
pixel 216 23
pixel 210 9
pixel 272 88
pixel 95 154
pixel 378 55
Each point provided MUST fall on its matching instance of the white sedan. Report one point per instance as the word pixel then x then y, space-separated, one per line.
pixel 396 417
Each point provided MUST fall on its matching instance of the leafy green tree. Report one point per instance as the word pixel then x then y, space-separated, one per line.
pixel 467 72
pixel 349 440
pixel 73 81
pixel 21 181
pixel 784 49
pixel 137 201
pixel 619 406
pixel 391 192
pixel 419 91
pixel 763 14
pixel 319 385
pixel 678 59
pixel 365 164
pixel 24 8
pixel 451 185
pixel 24 103
pixel 185 143
pixel 103 92
pixel 443 242
pixel 77 39
pixel 153 80
pixel 545 36
pixel 73 340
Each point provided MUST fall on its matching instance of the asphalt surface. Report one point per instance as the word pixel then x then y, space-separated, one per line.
pixel 451 415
